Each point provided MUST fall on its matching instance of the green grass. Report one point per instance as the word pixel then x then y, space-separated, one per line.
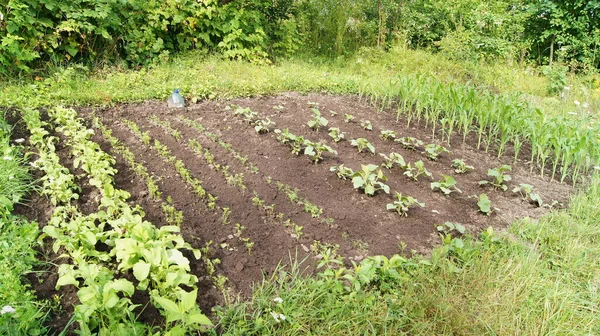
pixel 541 278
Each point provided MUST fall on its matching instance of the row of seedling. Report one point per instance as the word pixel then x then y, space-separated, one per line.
pixel 298 144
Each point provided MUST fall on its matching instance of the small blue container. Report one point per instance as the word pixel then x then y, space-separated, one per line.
pixel 176 100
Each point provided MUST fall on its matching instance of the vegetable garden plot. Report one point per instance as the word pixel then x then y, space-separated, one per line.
pixel 251 182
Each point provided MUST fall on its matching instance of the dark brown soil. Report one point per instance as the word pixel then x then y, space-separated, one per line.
pixel 362 225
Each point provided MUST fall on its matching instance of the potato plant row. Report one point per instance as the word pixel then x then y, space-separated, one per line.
pixel 135 246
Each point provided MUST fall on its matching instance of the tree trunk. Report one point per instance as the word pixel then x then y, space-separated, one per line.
pixel 552 51
pixel 380 32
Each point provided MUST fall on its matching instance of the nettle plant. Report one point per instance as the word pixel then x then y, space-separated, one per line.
pixel 394 158
pixel 526 191
pixel 263 126
pixel 362 144
pixel 403 203
pixel 366 124
pixel 317 121
pixel 433 151
pixel 499 178
pixel 447 185
pixel 348 117
pixel 460 167
pixel 342 172
pixel 315 150
pixel 410 142
pixel 416 171
pixel 336 134
pixel 370 178
pixel 388 135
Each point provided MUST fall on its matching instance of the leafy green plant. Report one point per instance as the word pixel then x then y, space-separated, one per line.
pixel 262 126
pixel 433 151
pixel 317 121
pixel 366 124
pixel 410 142
pixel 315 150
pixel 336 134
pixel 460 167
pixel 348 117
pixel 484 203
pixel 447 185
pixel 369 178
pixel 449 227
pixel 393 159
pixel 388 135
pixel 526 191
pixel 342 172
pixel 362 144
pixel 247 113
pixel 403 203
pixel 416 171
pixel 499 178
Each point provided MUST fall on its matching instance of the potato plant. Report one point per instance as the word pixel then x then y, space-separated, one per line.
pixel 447 185
pixel 369 178
pixel 416 171
pixel 460 167
pixel 394 158
pixel 366 124
pixel 433 151
pixel 526 191
pixel 317 121
pixel 362 144
pixel 499 178
pixel 410 142
pixel 388 135
pixel 336 134
pixel 403 203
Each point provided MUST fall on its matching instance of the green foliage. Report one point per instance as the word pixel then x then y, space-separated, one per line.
pixel 526 191
pixel 388 135
pixel 417 170
pixel 447 185
pixel 410 143
pixel 362 144
pixel 366 124
pixel 484 203
pixel 460 167
pixel 557 78
pixel 315 150
pixel 342 172
pixel 433 151
pixel 370 179
pixel 317 121
pixel 499 178
pixel 393 159
pixel 336 134
pixel 348 117
pixel 403 203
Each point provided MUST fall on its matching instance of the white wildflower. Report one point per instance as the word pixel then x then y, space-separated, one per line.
pixel 7 310
pixel 278 300
pixel 282 317
pixel 21 140
pixel 278 317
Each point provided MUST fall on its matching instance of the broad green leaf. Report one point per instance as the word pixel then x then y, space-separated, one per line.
pixel 122 285
pixel 86 295
pixel 66 279
pixel 358 182
pixel 199 318
pixel 176 257
pixel 188 299
pixel 141 270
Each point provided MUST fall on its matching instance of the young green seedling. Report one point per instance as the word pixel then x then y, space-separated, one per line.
pixel 499 178
pixel 315 150
pixel 447 185
pixel 361 144
pixel 410 142
pixel 403 203
pixel 342 172
pixel 449 227
pixel 388 135
pixel 366 124
pixel 263 126
pixel 249 115
pixel 484 203
pixel 460 167
pixel 332 113
pixel 369 178
pixel 348 117
pixel 416 171
pixel 526 191
pixel 317 121
pixel 394 158
pixel 433 151
pixel 285 137
pixel 336 134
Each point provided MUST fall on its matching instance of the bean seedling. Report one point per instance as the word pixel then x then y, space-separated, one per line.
pixel 394 158
pixel 460 167
pixel 433 151
pixel 388 135
pixel 499 178
pixel 366 124
pixel 416 171
pixel 315 150
pixel 348 117
pixel 410 142
pixel 526 191
pixel 369 179
pixel 317 121
pixel 263 126
pixel 247 113
pixel 336 134
pixel 361 144
pixel 342 172
pixel 403 203
pixel 447 185
pixel 484 203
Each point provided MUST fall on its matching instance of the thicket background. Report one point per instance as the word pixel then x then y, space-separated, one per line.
pixel 35 34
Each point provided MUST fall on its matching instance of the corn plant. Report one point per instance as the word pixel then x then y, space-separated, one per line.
pixel 317 121
pixel 433 151
pixel 315 150
pixel 388 135
pixel 526 191
pixel 366 124
pixel 336 134
pixel 262 126
pixel 369 178
pixel 403 203
pixel 362 144
pixel 447 185
pixel 342 172
pixel 394 158
pixel 348 117
pixel 499 178
pixel 416 171
pixel 460 167
pixel 410 143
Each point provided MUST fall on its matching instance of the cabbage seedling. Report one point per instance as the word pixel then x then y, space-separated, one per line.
pixel 317 121
pixel 369 178
pixel 403 203
pixel 446 186
pixel 460 167
pixel 433 151
pixel 394 158
pixel 499 178
pixel 336 134
pixel 361 144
